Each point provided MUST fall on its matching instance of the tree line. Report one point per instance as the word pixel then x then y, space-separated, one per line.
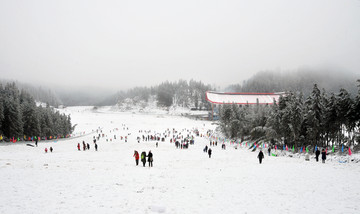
pixel 320 119
pixel 181 93
pixel 21 118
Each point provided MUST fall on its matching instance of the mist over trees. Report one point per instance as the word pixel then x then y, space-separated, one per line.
pixel 319 119
pixel 299 81
pixel 40 93
pixel 21 118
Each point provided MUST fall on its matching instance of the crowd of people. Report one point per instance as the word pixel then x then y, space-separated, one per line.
pixel 181 139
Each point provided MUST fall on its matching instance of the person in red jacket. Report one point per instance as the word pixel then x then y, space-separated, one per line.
pixel 136 155
pixel 78 146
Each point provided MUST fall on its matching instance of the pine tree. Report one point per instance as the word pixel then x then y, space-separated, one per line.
pixel 12 123
pixel 29 115
pixel 2 116
pixel 345 104
pixel 314 116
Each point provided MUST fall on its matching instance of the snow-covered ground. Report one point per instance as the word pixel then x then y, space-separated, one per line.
pixel 181 181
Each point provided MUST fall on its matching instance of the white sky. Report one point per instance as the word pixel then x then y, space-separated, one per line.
pixel 121 44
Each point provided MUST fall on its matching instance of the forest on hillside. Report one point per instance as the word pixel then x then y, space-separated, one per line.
pixel 22 119
pixel 181 93
pixel 319 119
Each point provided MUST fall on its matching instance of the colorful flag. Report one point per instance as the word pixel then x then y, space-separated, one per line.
pixel 333 149
pixel 300 149
pixel 275 147
pixel 307 150
pixel 342 148
pixel 293 148
pixel 287 149
pixel 315 148
pixel 349 151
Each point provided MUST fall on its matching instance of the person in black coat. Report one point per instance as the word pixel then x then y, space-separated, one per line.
pixel 260 156
pixel 150 159
pixel 323 155
pixel 317 154
pixel 209 152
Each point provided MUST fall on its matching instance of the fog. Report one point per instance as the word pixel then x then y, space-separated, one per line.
pixel 115 45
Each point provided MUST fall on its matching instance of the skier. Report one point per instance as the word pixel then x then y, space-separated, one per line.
pixel 260 156
pixel 323 155
pixel 317 154
pixel 51 149
pixel 78 146
pixel 150 159
pixel 143 158
pixel 209 152
pixel 136 155
pixel 95 147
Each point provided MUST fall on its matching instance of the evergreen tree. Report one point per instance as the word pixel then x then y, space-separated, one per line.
pixel 2 116
pixel 12 123
pixel 30 118
pixel 314 116
pixel 345 104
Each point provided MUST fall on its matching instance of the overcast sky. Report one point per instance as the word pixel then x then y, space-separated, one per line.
pixel 121 44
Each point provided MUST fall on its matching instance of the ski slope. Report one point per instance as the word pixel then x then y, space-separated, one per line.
pixel 181 181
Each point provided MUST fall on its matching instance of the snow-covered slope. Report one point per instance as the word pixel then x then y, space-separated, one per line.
pixel 181 181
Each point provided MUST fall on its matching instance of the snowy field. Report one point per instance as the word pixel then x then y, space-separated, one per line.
pixel 181 181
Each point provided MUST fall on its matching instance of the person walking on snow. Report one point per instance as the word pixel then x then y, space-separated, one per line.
pixel 323 155
pixel 143 158
pixel 150 159
pixel 78 146
pixel 209 152
pixel 317 154
pixel 136 155
pixel 260 156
